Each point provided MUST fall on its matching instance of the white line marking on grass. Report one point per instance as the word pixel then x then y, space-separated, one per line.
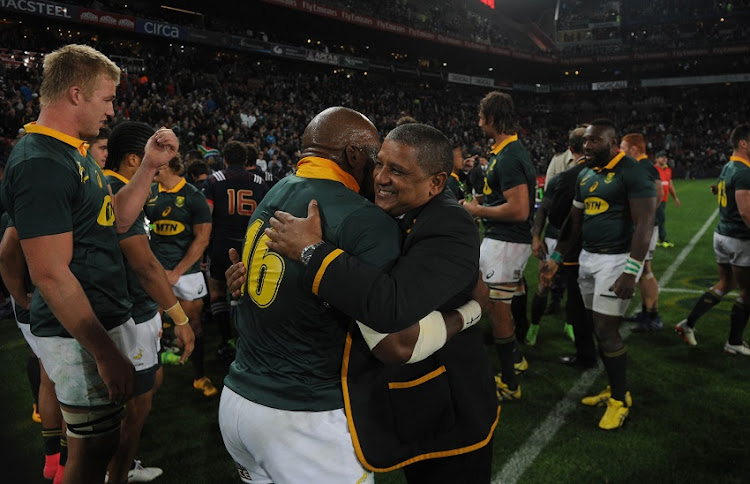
pixel 525 456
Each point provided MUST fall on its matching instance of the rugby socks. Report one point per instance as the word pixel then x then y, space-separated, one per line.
pixel 616 364
pixel 704 303
pixel 652 313
pixel 220 315
pixel 739 317
pixel 199 369
pixel 505 349
pixel 538 306
pixel 63 460
pixel 51 438
pixel 34 375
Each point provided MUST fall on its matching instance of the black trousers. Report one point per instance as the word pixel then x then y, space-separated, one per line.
pixel 471 468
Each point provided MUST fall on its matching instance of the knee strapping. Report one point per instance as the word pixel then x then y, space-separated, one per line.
pixel 501 293
pixel 94 423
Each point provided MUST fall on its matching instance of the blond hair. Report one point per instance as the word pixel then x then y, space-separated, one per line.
pixel 74 65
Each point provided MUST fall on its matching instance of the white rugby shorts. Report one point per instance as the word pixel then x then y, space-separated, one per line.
pixel 731 251
pixel 503 262
pixel 270 445
pixel 596 276
pixel 190 287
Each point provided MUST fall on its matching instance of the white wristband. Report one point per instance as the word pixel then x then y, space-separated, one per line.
pixel 372 337
pixel 632 266
pixel 471 312
pixel 432 336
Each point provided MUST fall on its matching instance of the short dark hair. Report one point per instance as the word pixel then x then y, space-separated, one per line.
pixel 500 112
pixel 197 168
pixel 235 153
pixel 741 132
pixel 129 137
pixel 434 149
pixel 605 123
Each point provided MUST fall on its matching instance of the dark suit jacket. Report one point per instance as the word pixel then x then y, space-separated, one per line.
pixel 444 405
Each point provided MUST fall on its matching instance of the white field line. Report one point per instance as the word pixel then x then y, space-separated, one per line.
pixel 543 434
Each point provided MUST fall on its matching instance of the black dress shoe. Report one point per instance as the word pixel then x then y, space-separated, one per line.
pixel 576 362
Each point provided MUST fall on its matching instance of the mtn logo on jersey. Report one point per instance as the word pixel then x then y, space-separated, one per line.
pixel 595 206
pixel 106 216
pixel 168 227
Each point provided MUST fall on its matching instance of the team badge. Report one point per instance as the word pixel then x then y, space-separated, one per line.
pixel 610 177
pixel 180 201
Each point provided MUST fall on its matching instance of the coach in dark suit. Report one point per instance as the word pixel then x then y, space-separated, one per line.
pixel 436 416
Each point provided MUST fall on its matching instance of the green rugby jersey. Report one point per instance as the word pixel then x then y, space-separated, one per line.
pixel 172 214
pixel 734 176
pixel 643 159
pixel 144 308
pixel 509 166
pixel 52 186
pixel 604 194
pixel 22 314
pixel 291 344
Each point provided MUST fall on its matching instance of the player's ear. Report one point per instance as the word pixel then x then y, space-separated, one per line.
pixel 437 183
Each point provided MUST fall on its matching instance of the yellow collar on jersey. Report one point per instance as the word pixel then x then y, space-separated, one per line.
pixel 641 158
pixel 612 163
pixel 80 145
pixel 174 189
pixel 116 175
pixel 321 168
pixel 455 176
pixel 742 160
pixel 498 147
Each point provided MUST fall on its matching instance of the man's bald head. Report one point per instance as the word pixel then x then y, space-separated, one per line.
pixel 347 138
pixel 331 130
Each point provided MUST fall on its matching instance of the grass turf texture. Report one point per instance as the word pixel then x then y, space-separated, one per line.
pixel 687 423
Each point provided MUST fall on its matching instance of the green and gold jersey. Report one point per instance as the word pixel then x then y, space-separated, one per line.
pixel 144 308
pixel 604 194
pixel 172 214
pixel 454 186
pixel 509 166
pixel 643 159
pixel 22 314
pixel 52 186
pixel 291 343
pixel 734 176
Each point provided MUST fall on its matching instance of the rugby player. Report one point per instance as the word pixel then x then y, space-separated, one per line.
pixel 542 247
pixel 613 211
pixel 634 145
pixel 67 222
pixel 507 208
pixel 148 288
pixel 181 228
pixel 232 195
pixel 731 245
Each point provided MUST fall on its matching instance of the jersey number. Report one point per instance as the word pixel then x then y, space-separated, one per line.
pixel 241 201
pixel 265 268
pixel 722 189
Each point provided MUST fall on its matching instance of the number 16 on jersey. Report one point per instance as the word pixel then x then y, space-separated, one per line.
pixel 265 268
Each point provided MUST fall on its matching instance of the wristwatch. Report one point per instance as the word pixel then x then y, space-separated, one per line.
pixel 307 253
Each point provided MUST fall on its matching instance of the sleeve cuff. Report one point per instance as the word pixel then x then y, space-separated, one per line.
pixel 318 264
